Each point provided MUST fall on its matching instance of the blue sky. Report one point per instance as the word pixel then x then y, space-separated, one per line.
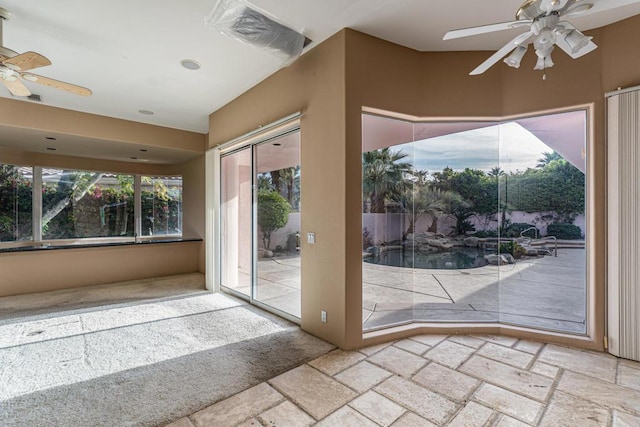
pixel 517 148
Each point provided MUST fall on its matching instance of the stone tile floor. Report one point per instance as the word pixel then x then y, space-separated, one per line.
pixel 437 380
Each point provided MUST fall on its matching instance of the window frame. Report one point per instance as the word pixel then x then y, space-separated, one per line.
pixel 36 213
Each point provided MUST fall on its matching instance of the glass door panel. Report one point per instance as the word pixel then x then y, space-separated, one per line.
pixel 236 228
pixel 277 166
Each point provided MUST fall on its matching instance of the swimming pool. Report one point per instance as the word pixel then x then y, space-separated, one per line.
pixel 453 259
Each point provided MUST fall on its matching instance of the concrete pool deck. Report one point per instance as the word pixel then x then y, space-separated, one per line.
pixel 545 292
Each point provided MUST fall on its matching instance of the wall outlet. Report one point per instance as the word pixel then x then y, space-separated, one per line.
pixel 323 316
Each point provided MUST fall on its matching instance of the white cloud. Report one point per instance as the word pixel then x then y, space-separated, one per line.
pixel 507 145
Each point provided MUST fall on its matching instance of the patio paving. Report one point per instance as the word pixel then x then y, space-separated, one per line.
pixel 546 292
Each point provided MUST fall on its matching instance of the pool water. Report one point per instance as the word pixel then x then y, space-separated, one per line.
pixel 454 259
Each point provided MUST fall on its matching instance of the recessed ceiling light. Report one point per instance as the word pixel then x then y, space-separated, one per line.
pixel 146 112
pixel 134 158
pixel 276 144
pixel 190 64
pixel 51 149
pixel 50 138
pixel 144 150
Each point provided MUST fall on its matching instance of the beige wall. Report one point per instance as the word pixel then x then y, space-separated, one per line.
pixel 27 115
pixel 55 269
pixel 314 85
pixel 46 270
pixel 381 75
pixel 193 206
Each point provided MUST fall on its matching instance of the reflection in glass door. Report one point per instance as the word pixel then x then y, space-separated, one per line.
pixel 260 223
pixel 236 201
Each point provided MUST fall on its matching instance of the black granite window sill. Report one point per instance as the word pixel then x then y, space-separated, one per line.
pixel 49 247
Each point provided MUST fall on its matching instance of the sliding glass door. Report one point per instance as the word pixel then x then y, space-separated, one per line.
pixel 260 213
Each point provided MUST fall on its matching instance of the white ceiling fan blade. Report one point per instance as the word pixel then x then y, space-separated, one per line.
pixel 521 39
pixel 466 32
pixel 577 9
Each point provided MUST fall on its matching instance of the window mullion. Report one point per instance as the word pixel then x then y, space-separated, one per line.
pixel 137 210
pixel 37 204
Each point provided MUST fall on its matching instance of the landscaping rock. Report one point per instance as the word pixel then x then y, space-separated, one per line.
pixel 494 259
pixel 471 242
pixel 439 243
pixel 510 259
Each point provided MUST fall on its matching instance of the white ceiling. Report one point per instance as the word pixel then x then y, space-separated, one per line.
pixel 128 52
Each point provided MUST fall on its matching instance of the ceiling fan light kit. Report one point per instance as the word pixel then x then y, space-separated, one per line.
pixel 14 65
pixel 516 56
pixel 242 21
pixel 547 30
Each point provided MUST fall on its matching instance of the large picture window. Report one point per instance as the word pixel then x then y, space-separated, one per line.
pixel 475 222
pixel 16 185
pixel 161 205
pixel 78 204
pixel 81 204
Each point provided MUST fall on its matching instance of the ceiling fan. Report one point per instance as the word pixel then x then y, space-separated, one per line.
pixel 547 29
pixel 14 66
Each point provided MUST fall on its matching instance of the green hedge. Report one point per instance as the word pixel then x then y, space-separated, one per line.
pixel 564 231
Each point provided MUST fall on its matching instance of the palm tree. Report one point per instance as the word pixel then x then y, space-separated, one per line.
pixel 454 205
pixel 547 158
pixel 496 172
pixel 384 177
pixel 421 200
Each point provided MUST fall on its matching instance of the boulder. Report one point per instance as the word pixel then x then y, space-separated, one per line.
pixel 494 259
pixel 439 243
pixel 265 253
pixel 471 242
pixel 374 250
pixel 410 236
pixel 510 259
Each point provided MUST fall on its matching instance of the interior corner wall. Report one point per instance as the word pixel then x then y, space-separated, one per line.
pixel 383 75
pixel 315 86
pixel 333 82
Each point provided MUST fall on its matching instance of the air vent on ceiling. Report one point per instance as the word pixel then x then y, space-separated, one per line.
pixel 242 21
pixel 33 97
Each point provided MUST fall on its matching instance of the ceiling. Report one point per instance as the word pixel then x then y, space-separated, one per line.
pixel 128 52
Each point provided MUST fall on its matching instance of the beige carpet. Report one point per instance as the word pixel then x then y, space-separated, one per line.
pixel 131 361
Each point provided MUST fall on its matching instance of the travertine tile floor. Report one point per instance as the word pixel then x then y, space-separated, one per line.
pixel 432 380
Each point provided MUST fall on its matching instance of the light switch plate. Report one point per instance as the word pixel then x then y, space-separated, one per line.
pixel 311 238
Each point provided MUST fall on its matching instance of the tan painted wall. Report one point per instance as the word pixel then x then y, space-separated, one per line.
pixel 37 271
pixel 193 206
pixel 57 120
pixel 381 75
pixel 315 85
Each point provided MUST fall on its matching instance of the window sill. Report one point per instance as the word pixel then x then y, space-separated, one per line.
pixel 49 247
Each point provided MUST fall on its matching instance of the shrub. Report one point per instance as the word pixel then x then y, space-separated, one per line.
pixel 485 233
pixel 273 213
pixel 564 231
pixel 514 230
pixel 512 248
